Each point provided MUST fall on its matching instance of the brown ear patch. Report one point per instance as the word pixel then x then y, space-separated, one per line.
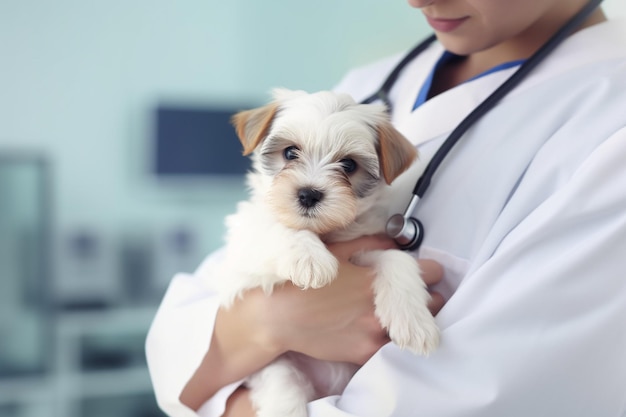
pixel 253 125
pixel 396 153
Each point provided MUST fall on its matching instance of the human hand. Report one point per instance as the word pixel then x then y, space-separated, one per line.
pixel 336 322
pixel 432 273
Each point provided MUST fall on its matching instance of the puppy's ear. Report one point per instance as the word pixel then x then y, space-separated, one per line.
pixel 396 153
pixel 253 125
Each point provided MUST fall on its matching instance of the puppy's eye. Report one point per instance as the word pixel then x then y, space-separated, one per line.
pixel 291 153
pixel 348 165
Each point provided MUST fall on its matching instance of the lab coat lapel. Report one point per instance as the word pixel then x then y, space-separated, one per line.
pixel 429 121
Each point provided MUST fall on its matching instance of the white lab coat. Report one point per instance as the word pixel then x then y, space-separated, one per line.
pixel 527 215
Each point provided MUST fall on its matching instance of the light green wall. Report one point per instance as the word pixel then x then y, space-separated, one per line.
pixel 79 80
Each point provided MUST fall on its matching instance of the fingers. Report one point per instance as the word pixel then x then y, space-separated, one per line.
pixel 436 303
pixel 432 271
pixel 344 250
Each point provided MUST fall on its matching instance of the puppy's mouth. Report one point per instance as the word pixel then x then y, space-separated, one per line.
pixel 314 208
pixel 309 214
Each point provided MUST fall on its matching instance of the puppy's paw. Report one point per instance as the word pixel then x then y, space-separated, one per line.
pixel 306 261
pixel 313 269
pixel 414 330
pixel 402 301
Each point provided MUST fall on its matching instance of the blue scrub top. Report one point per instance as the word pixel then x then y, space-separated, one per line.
pixel 446 57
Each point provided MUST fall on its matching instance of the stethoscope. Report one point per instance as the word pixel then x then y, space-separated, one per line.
pixel 406 230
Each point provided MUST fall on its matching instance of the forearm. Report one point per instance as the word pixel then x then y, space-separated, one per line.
pixel 238 348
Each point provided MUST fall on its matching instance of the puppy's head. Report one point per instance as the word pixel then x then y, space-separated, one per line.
pixel 325 156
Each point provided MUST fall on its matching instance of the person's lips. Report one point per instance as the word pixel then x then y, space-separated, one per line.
pixel 445 25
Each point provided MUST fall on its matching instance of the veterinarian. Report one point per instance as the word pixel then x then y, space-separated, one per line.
pixel 525 236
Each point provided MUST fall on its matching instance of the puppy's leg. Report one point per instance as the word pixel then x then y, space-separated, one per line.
pixel 402 299
pixel 280 390
pixel 260 251
pixel 305 260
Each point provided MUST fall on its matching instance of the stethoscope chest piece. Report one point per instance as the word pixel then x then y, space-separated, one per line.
pixel 407 232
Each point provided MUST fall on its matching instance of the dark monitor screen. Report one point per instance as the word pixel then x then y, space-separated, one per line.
pixel 197 142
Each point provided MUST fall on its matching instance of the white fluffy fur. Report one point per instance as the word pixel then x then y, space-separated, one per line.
pixel 272 238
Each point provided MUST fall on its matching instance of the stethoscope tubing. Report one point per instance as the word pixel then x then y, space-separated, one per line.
pixel 403 228
pixel 382 93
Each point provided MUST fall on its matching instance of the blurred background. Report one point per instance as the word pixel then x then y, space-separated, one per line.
pixel 118 165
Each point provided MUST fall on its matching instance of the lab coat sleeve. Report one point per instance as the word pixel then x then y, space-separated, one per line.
pixel 537 329
pixel 178 339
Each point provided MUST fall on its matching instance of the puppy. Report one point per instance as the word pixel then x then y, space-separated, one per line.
pixel 322 166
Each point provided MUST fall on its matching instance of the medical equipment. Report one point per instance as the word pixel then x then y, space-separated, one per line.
pixel 406 230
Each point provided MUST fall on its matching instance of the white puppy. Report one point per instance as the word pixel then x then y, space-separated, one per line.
pixel 322 166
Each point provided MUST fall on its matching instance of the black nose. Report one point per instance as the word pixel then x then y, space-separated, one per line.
pixel 309 197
